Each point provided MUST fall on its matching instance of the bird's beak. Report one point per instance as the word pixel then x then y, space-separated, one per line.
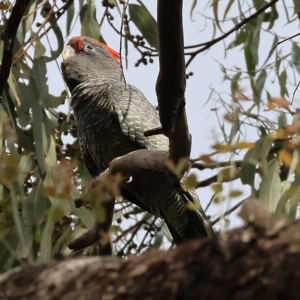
pixel 68 52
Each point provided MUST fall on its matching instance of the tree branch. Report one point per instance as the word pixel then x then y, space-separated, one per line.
pixel 170 85
pixel 256 262
pixel 8 36
pixel 207 45
pixel 105 184
pixel 217 178
pixel 130 163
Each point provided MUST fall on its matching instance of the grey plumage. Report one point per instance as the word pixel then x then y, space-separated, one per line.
pixel 111 118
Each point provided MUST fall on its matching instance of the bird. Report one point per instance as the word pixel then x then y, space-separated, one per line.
pixel 111 118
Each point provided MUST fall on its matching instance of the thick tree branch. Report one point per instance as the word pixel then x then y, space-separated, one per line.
pixel 130 163
pixel 127 165
pixel 8 36
pixel 170 85
pixel 255 262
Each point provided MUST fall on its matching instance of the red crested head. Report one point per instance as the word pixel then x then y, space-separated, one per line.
pixel 79 43
pixel 87 60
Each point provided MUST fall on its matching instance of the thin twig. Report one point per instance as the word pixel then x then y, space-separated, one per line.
pixel 228 212
pixel 216 178
pixel 203 166
pixel 207 45
pixel 103 17
pixel 294 92
pixel 139 223
pixel 287 39
pixel 209 203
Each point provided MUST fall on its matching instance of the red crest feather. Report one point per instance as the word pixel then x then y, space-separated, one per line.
pixel 76 42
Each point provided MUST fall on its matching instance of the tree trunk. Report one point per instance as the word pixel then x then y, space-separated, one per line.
pixel 254 262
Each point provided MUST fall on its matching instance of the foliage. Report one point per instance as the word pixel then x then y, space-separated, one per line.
pixel 41 169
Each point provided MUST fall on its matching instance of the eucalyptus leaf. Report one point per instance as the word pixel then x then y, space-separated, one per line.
pixel 145 23
pixel 8 249
pixel 90 26
pixel 59 39
pixel 46 241
pixel 70 17
pixel 296 56
pixel 270 186
pixel 37 203
pixel 40 49
pixel 252 159
pixel 36 105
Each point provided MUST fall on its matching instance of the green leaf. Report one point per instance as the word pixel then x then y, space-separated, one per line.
pixel 14 89
pixel 8 246
pixel 265 150
pixel 89 21
pixel 59 39
pixel 37 126
pixel 250 62
pixel 24 247
pixel 258 4
pixel 40 76
pixel 241 38
pixel 25 166
pixel 70 17
pixel 46 241
pixel 21 70
pixel 271 17
pixel 259 83
pixel 49 146
pixel 215 6
pixel 296 7
pixel 37 203
pixel 62 240
pixel 190 182
pixel 24 140
pixel 192 8
pixel 24 116
pixel 228 6
pixel 234 83
pixel 270 186
pixel 282 120
pixel 29 20
pixel 282 82
pixel 4 256
pixel 296 56
pixel 252 159
pixel 145 23
pixel 40 49
pixel 234 130
pixel 286 193
pixel 39 71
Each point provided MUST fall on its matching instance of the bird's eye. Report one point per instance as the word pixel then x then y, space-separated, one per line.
pixel 89 47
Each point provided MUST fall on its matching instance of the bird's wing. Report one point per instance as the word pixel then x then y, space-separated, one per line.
pixel 136 115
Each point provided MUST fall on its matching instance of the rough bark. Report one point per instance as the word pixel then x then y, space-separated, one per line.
pixel 255 262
